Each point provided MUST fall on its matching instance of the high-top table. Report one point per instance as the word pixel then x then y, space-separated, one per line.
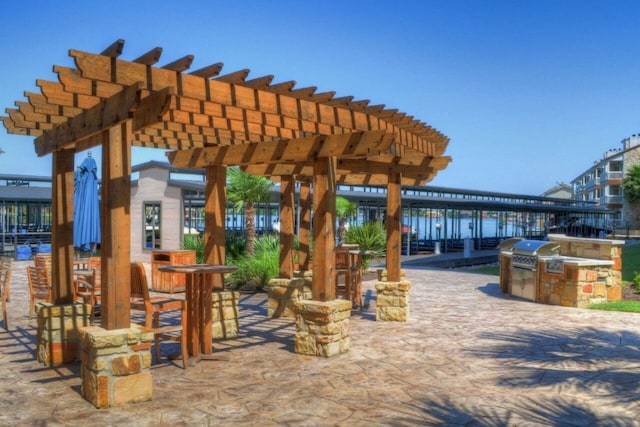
pixel 199 287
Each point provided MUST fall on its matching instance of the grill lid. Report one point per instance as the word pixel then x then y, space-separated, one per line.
pixel 536 248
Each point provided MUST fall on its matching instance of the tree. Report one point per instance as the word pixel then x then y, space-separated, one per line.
pixel 244 191
pixel 344 210
pixel 631 184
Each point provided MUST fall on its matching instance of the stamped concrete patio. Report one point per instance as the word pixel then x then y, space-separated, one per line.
pixel 468 356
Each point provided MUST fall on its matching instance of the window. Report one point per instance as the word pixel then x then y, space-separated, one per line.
pixel 615 166
pixel 152 225
pixel 614 190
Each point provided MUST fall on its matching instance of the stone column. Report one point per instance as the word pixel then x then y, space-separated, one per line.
pixel 224 314
pixel 116 366
pixel 322 327
pixel 58 335
pixel 392 301
pixel 283 293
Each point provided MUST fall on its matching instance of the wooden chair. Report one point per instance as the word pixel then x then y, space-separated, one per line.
pixel 43 261
pixel 153 306
pixel 343 271
pixel 39 288
pixel 5 277
pixel 87 287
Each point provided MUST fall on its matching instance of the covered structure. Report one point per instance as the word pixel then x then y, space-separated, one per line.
pixel 212 120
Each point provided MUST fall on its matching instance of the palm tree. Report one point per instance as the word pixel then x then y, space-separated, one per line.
pixel 244 191
pixel 344 210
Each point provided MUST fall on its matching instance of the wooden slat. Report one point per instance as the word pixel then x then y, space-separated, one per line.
pixel 260 82
pixel 235 77
pixel 209 71
pixel 180 65
pixel 283 87
pixel 125 105
pixel 150 58
pixel 114 50
pixel 295 150
pixel 124 73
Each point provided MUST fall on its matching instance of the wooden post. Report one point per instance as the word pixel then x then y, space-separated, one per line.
pixel 116 227
pixel 214 220
pixel 287 195
pixel 304 232
pixel 324 205
pixel 62 230
pixel 394 226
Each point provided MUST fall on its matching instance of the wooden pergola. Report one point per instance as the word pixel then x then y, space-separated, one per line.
pixel 212 120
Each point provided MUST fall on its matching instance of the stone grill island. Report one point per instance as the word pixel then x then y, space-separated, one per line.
pixel 567 271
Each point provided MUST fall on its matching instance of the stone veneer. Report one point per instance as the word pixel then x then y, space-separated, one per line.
pixel 579 286
pixel 392 301
pixel 322 327
pixel 116 366
pixel 590 248
pixel 224 314
pixel 283 293
pixel 58 335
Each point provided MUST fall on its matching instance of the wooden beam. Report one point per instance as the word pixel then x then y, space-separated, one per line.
pixel 287 197
pixel 62 230
pixel 304 229
pixel 214 219
pixel 323 287
pixel 115 246
pixel 294 150
pixel 127 104
pixel 393 222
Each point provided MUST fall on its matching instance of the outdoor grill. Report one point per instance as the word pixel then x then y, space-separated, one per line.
pixel 527 252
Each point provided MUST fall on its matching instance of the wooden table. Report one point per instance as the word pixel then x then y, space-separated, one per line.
pixel 199 287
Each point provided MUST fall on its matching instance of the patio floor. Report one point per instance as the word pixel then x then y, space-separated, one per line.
pixel 468 356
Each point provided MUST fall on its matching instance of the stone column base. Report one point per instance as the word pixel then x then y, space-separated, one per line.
pixel 322 327
pixel 224 314
pixel 382 274
pixel 283 293
pixel 116 366
pixel 392 302
pixel 58 335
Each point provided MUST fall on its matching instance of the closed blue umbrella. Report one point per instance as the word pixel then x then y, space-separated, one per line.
pixel 86 218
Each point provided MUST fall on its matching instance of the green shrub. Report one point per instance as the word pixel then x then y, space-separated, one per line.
pixel 635 282
pixel 262 266
pixel 370 236
pixel 235 246
pixel 195 243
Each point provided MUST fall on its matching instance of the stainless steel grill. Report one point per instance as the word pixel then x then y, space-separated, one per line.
pixel 527 252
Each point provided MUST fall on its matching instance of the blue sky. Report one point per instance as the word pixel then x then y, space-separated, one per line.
pixel 530 93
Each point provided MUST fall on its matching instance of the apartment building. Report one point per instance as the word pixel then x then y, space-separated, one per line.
pixel 602 183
